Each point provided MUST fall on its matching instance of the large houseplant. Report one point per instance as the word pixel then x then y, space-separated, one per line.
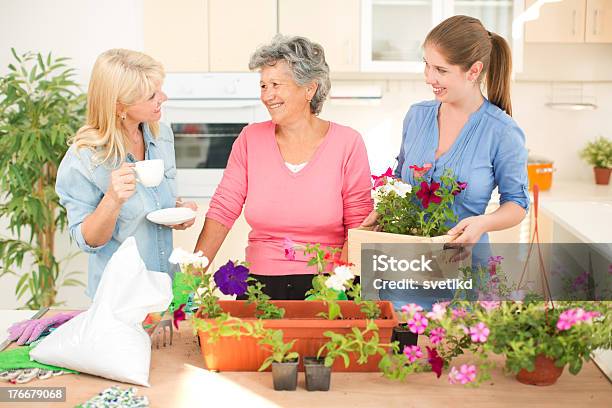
pixel 598 154
pixel 40 108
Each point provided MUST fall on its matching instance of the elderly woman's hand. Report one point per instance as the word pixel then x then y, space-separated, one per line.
pixel 122 184
pixel 371 222
pixel 187 224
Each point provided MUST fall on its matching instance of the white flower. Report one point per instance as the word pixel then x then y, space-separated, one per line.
pixel 402 189
pixel 343 272
pixel 437 312
pixel 335 282
pixel 184 258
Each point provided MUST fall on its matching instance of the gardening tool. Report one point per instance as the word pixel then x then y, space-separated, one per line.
pixel 161 330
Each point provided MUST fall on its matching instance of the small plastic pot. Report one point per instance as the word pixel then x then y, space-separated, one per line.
pixel 404 336
pixel 318 376
pixel 284 375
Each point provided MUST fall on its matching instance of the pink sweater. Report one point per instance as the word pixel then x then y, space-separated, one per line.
pixel 318 204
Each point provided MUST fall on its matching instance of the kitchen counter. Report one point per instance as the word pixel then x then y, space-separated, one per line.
pixel 178 379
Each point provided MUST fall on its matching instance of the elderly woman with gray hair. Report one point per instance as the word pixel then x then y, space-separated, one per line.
pixel 299 177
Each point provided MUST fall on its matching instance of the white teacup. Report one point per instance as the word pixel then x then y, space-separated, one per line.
pixel 150 173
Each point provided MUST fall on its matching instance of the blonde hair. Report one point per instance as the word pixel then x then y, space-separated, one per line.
pixel 463 40
pixel 119 76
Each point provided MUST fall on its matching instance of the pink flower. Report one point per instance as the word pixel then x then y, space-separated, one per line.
pixel 461 186
pixel 438 310
pixel 588 316
pixel 489 305
pixel 381 180
pixel 417 323
pixel 458 313
pixel 479 333
pixel 437 335
pixel 289 245
pixel 572 317
pixel 494 261
pixel 580 281
pixel 413 353
pixel 466 374
pixel 419 172
pixel 435 361
pixel 411 308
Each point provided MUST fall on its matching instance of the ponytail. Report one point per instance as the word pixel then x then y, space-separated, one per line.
pixel 498 74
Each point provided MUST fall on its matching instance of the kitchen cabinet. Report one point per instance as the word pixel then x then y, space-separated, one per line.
pixel 177 36
pixel 571 21
pixel 236 29
pixel 336 29
pixel 393 30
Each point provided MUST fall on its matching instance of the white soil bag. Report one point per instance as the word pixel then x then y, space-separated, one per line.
pixel 108 339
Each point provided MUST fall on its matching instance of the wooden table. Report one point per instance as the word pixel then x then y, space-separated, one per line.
pixel 178 379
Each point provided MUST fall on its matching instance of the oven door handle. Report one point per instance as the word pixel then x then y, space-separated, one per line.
pixel 211 104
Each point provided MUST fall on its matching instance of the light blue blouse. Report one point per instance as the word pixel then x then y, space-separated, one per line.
pixel 489 152
pixel 81 185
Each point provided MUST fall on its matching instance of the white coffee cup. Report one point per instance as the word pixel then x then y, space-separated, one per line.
pixel 150 173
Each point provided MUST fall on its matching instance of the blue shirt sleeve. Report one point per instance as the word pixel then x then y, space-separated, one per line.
pixel 77 193
pixel 510 167
pixel 401 158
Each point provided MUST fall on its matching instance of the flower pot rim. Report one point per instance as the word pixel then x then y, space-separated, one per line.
pixel 293 361
pixel 314 361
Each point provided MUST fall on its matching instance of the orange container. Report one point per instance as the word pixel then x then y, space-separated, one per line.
pixel 300 323
pixel 540 174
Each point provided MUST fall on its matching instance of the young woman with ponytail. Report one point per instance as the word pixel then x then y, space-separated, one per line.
pixel 465 131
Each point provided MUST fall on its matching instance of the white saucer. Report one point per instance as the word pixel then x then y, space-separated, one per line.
pixel 171 216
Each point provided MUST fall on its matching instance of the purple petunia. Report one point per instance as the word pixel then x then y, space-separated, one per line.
pixel 232 279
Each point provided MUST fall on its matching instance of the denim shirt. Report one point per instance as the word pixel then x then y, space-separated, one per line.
pixel 81 185
pixel 489 152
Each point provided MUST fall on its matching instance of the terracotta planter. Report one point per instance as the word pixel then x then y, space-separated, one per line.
pixel 545 372
pixel 300 323
pixel 602 175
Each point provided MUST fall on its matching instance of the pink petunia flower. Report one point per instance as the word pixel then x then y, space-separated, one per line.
pixel 417 323
pixel 489 305
pixel 437 335
pixel 288 246
pixel 438 310
pixel 411 308
pixel 178 315
pixel 382 179
pixel 458 313
pixel 413 353
pixel 494 262
pixel 567 319
pixel 479 333
pixel 466 374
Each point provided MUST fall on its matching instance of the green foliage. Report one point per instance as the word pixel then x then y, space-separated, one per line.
pixel 281 351
pixel 40 108
pixel 598 153
pixel 402 212
pixel 263 308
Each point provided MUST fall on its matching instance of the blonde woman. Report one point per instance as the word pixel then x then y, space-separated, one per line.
pixel 96 182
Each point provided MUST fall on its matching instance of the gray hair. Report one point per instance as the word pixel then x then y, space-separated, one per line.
pixel 306 61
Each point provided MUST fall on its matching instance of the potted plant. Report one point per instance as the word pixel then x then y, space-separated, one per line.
pixel 598 154
pixel 284 361
pixel 226 325
pixel 40 108
pixel 408 214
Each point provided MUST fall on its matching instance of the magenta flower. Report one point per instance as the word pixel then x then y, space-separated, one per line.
pixel 494 261
pixel 427 193
pixel 466 374
pixel 288 246
pixel 588 316
pixel 462 186
pixel 580 281
pixel 437 335
pixel 489 305
pixel 178 315
pixel 417 323
pixel 479 333
pixel 413 353
pixel 435 361
pixel 411 308
pixel 381 180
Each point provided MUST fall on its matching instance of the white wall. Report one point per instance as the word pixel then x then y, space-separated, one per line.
pixel 82 29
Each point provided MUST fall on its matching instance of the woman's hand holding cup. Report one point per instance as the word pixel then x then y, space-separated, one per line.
pixel 122 184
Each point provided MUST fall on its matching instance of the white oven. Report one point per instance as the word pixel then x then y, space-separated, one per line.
pixel 206 112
